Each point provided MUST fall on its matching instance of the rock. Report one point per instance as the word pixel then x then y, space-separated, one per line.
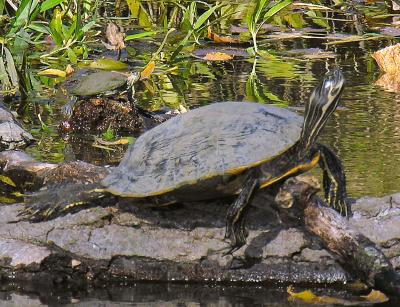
pixel 286 243
pixel 160 244
pixel 19 254
pixel 12 135
pixel 379 219
pixel 182 242
pixel 312 255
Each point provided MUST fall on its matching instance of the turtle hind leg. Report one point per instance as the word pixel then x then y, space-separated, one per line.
pixel 334 181
pixel 236 230
pixel 58 200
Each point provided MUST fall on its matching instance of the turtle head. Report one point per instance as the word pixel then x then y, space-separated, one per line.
pixel 323 102
pixel 326 95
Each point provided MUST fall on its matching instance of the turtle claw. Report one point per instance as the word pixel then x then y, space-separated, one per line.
pixel 343 206
pixel 35 213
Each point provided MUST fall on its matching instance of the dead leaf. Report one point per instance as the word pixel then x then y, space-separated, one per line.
pixel 121 141
pixel 69 70
pixel 310 298
pixel 217 56
pixel 52 73
pixel 388 59
pixel 75 263
pixel 115 37
pixel 389 82
pixel 375 297
pixel 305 296
pixel 312 6
pixel 221 39
pixel 148 70
pixel 182 109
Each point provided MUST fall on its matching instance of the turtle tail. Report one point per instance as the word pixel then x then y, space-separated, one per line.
pixel 323 102
pixel 60 199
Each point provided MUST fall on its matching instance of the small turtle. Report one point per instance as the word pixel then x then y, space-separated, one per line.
pixel 222 149
pixel 101 105
pixel 100 83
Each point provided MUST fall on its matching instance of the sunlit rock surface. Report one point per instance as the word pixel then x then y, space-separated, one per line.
pixel 124 242
pixel 181 243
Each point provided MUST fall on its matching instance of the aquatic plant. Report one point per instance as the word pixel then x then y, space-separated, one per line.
pixel 262 12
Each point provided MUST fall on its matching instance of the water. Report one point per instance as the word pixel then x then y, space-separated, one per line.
pixel 166 295
pixel 364 133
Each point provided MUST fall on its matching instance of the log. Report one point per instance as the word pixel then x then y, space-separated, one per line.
pixel 356 252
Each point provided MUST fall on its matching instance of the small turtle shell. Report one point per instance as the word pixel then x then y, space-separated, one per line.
pixel 214 140
pixel 98 83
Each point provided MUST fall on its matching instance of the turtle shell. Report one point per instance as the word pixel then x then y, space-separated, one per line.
pixel 98 83
pixel 214 140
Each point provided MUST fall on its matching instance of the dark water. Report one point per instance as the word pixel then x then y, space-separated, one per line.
pixel 169 295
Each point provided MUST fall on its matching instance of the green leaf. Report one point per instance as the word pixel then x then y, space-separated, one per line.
pixel 21 43
pixel 108 64
pixel 12 71
pixel 109 135
pixel 259 8
pixel 56 28
pixel 69 32
pixel 144 19
pixel 318 19
pixel 134 7
pixel 140 35
pixel 39 27
pixel 276 9
pixel 4 80
pixel 49 4
pixel 22 14
pixel 72 56
pixel 296 21
pixel 88 26
pixel 204 17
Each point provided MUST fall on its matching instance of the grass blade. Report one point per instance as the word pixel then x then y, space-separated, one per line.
pixel 276 9
pixel 140 35
pixel 204 17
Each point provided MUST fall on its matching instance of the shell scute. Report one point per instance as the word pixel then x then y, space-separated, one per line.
pixel 209 141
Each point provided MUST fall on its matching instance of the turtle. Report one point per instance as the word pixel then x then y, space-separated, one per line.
pixel 107 109
pixel 219 150
pixel 99 83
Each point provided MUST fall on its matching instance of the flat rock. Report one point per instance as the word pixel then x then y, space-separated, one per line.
pixel 12 135
pixel 127 242
pixel 164 244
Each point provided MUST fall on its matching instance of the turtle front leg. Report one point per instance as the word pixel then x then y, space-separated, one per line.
pixel 334 180
pixel 236 217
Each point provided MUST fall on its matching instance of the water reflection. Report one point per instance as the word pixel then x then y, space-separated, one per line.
pixel 365 134
pixel 163 294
